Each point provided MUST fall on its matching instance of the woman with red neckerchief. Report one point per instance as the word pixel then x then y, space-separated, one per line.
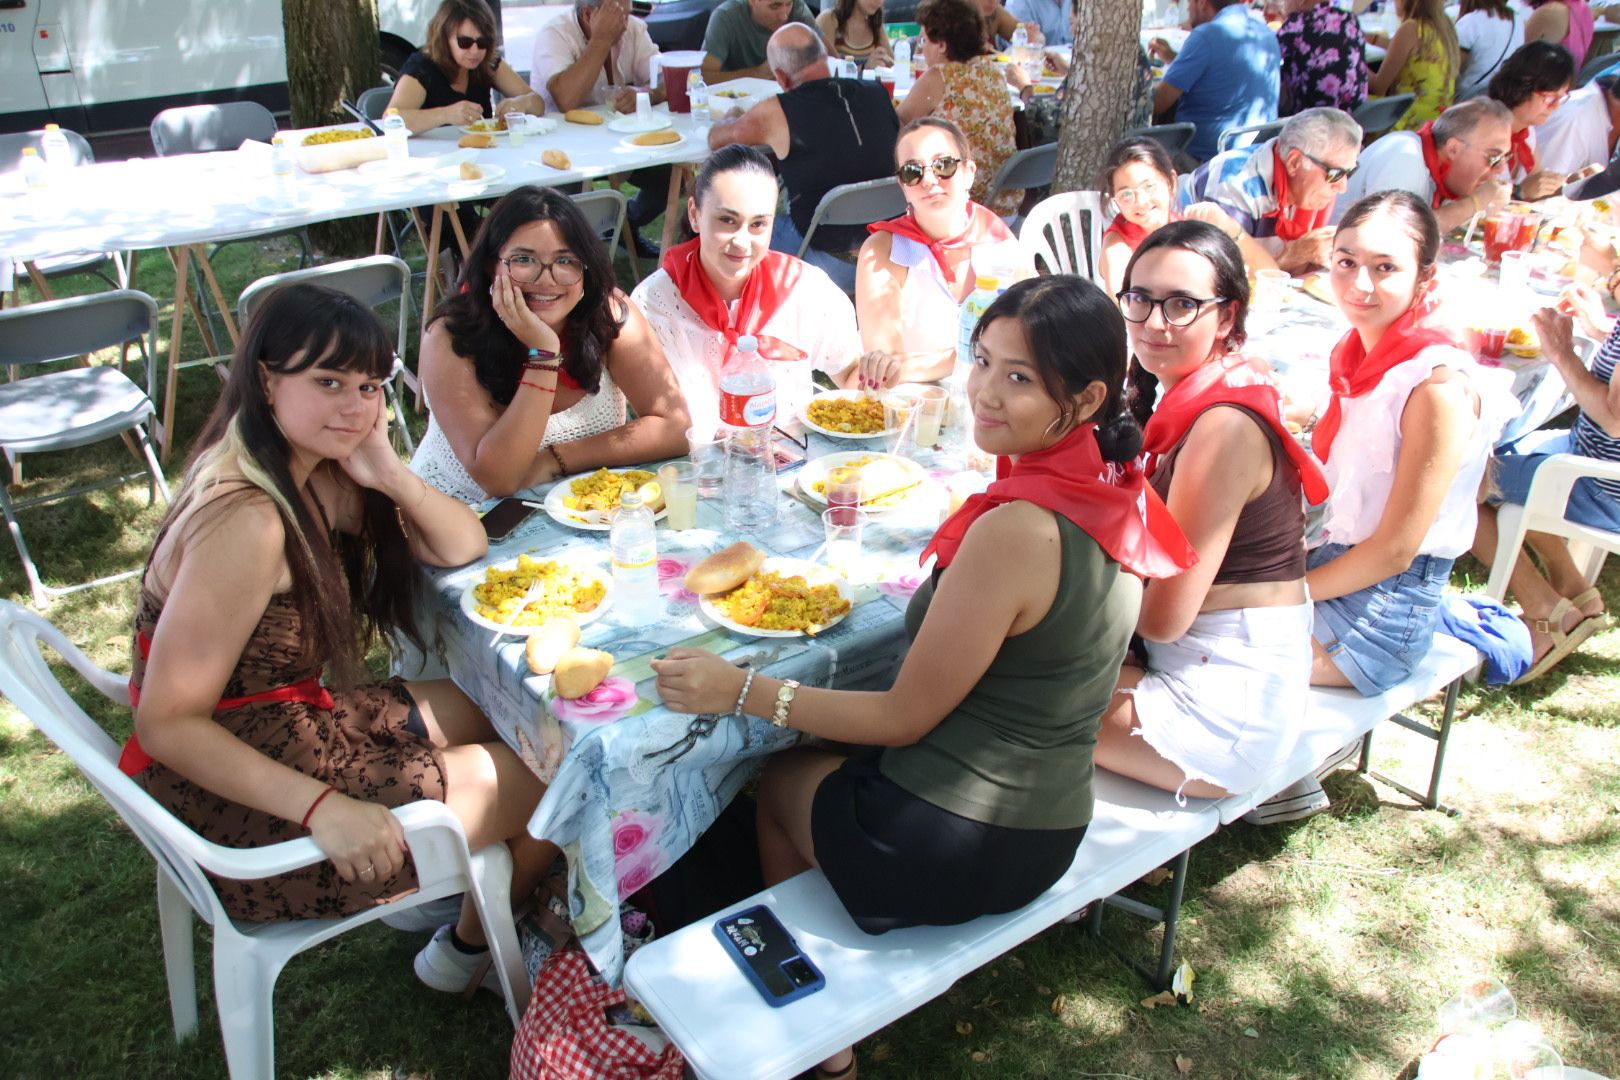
pixel 1210 708
pixel 974 787
pixel 1404 440
pixel 1533 83
pixel 914 271
pixel 727 282
pixel 1141 180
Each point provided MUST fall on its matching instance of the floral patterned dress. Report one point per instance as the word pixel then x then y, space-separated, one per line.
pixel 1428 74
pixel 976 100
pixel 1323 59
pixel 371 745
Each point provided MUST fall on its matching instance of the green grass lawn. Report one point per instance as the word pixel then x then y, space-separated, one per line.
pixel 1321 949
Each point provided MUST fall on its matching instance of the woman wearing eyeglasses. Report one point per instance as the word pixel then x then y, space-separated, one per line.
pixel 1533 82
pixel 914 271
pixel 1208 708
pixel 529 366
pixel 448 81
pixel 1141 180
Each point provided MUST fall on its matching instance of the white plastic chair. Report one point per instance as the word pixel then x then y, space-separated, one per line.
pixel 1075 251
pixel 1543 511
pixel 247 956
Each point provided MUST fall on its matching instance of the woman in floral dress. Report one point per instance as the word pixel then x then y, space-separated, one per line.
pixel 1323 57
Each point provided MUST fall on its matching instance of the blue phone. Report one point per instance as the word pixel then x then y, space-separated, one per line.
pixel 768 955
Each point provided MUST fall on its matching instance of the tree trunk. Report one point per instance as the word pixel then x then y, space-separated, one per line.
pixel 331 55
pixel 1103 90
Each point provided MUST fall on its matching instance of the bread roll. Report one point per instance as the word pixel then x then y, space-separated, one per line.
pixel 579 671
pixel 546 646
pixel 582 116
pixel 657 138
pixel 725 570
pixel 556 159
pixel 476 142
pixel 469 171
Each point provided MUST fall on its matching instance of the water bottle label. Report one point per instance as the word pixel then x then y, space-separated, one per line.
pixel 639 560
pixel 748 410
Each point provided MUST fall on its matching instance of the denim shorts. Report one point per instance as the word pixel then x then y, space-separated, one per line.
pixel 1377 636
pixel 1515 465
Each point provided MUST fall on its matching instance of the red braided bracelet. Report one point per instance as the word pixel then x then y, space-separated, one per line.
pixel 311 811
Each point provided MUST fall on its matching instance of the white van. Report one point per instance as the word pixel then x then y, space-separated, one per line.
pixel 102 66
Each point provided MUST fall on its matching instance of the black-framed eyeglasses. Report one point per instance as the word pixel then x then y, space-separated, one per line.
pixel 526 269
pixel 466 42
pixel 1331 173
pixel 944 167
pixel 1178 309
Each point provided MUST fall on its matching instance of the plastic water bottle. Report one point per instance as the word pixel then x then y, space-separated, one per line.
pixel 58 153
pixel 281 164
pixel 635 560
pixel 1020 38
pixel 747 409
pixel 32 168
pixel 395 134
pixel 697 92
pixel 985 290
pixel 903 74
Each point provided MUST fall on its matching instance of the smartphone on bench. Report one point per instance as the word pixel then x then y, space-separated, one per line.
pixel 506 515
pixel 768 955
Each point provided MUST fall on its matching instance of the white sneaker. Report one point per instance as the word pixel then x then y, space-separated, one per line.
pixel 1296 802
pixel 444 967
pixel 425 918
pixel 1351 749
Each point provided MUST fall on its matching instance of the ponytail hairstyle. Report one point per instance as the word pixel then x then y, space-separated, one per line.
pixel 1231 283
pixel 1410 212
pixel 738 157
pixel 1077 337
pixel 242 455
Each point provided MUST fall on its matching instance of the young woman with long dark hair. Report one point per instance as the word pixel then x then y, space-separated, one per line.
pixel 448 80
pixel 853 29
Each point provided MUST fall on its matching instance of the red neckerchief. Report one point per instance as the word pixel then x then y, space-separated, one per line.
pixel 983 227
pixel 1438 170
pixel 1292 223
pixel 1353 371
pixel 1111 502
pixel 767 289
pixel 1523 153
pixel 563 378
pixel 1227 380
pixel 1129 231
pixel 135 760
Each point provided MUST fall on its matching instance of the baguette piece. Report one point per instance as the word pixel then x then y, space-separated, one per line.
pixel 555 637
pixel 579 671
pixel 556 159
pixel 476 142
pixel 726 569
pixel 657 138
pixel 582 116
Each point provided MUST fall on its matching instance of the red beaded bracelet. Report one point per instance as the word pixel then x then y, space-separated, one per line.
pixel 311 811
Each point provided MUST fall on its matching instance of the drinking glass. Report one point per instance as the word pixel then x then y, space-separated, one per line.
pixel 517 128
pixel 1481 1003
pixel 900 420
pixel 843 526
pixel 1514 279
pixel 708 454
pixel 843 491
pixel 930 418
pixel 679 482
pixel 1271 288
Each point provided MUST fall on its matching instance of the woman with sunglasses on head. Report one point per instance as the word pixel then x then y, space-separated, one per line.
pixel 448 81
pixel 1208 708
pixel 290 548
pixel 973 789
pixel 528 368
pixel 914 271
pixel 726 283
pixel 1141 180
pixel 1532 83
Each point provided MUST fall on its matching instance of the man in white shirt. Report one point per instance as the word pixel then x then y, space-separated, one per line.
pixel 599 55
pixel 1055 18
pixel 1454 163
pixel 1582 130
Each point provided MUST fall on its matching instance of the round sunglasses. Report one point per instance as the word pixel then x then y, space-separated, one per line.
pixel 943 167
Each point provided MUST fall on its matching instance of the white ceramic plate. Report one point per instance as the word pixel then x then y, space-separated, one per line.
pixel 451 174
pixel 590 520
pixel 630 142
pixel 469 605
pixel 632 124
pixel 817 471
pixel 477 129
pixel 814 573
pixel 835 395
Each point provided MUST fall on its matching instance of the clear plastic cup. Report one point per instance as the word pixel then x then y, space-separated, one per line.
pixel 678 479
pixel 1482 1003
pixel 708 455
pixel 844 526
pixel 900 420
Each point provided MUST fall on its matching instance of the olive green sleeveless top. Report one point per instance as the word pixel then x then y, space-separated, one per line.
pixel 1017 751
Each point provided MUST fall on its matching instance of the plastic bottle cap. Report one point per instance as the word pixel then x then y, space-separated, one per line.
pixel 748 343
pixel 276 140
pixel 629 497
pixel 30 151
pixel 982 281
pixel 53 127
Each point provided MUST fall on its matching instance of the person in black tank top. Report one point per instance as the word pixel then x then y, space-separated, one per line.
pixel 448 80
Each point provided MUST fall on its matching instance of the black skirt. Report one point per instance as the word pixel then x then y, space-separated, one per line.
pixel 897 860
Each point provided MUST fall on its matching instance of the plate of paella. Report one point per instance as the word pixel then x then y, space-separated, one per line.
pixel 784 598
pixel 845 414
pixel 518 595
pixel 587 501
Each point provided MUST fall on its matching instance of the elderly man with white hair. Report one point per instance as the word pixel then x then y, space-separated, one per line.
pixel 824 132
pixel 1276 197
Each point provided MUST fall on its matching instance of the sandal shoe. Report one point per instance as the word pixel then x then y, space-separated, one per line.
pixel 1563 642
pixel 1579 603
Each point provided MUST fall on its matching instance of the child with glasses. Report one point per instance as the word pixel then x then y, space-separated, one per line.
pixel 1141 180
pixel 1208 708
pixel 448 80
pixel 1532 83
pixel 914 271
pixel 529 366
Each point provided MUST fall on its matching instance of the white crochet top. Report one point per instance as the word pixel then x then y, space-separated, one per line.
pixel 594 414
pixel 1361 469
pixel 817 319
pixel 929 314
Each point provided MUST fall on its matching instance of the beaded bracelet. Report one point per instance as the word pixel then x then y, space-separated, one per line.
pixel 748 681
pixel 311 811
pixel 562 466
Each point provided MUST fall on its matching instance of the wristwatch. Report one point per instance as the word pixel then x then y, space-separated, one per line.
pixel 784 701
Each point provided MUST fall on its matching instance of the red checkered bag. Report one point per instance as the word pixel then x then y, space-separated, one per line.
pixel 567 1032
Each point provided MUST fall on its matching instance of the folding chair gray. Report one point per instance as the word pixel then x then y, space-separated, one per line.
pixel 1026 169
pixel 1173 137
pixel 1254 133
pixel 63 410
pixel 1043 234
pixel 1377 115
pixel 374 281
pixel 1596 66
pixel 856 204
pixel 78 262
pixel 605 209
pixel 372 103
